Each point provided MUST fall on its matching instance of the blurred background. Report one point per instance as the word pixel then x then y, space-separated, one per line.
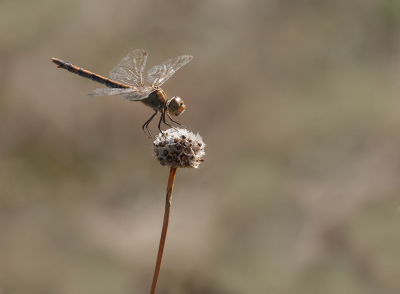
pixel 297 101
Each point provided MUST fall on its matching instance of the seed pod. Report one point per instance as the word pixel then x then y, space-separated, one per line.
pixel 179 148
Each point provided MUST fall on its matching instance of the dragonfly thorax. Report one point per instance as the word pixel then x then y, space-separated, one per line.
pixel 156 100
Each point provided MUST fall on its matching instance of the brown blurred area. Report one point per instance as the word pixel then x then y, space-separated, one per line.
pixel 297 101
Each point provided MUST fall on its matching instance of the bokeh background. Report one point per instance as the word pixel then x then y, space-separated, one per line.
pixel 298 102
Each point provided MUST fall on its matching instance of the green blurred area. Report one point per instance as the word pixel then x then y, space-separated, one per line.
pixel 297 101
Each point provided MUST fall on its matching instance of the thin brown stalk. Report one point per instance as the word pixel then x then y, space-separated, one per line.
pixel 170 186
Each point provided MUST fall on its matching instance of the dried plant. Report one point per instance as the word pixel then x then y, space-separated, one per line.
pixel 175 148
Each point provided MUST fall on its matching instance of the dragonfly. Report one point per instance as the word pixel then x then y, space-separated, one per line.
pixel 127 79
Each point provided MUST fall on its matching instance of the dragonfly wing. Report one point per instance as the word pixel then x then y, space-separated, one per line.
pixel 139 94
pixel 159 74
pixel 132 94
pixel 130 69
pixel 110 91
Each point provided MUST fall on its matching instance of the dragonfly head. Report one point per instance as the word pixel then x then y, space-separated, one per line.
pixel 176 106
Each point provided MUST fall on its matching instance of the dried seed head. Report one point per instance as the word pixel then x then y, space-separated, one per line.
pixel 179 148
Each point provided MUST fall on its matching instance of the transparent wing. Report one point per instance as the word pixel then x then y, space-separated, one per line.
pixel 159 74
pixel 130 69
pixel 141 94
pixel 131 94
pixel 110 91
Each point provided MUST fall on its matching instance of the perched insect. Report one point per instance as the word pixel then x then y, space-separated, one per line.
pixel 127 80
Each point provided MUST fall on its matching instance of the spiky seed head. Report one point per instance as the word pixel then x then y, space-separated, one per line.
pixel 179 148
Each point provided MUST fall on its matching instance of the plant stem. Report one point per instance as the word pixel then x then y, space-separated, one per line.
pixel 170 186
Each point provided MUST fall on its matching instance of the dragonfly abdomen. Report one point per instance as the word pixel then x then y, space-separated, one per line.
pixel 88 74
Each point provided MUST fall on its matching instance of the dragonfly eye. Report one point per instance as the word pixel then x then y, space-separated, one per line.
pixel 176 106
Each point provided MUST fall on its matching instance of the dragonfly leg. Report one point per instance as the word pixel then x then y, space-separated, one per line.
pixel 146 125
pixel 159 123
pixel 163 117
pixel 174 121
